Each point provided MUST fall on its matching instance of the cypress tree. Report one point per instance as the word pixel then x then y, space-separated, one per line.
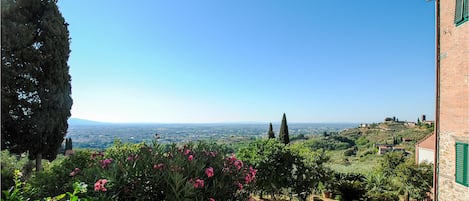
pixel 271 131
pixel 283 134
pixel 67 144
pixel 35 79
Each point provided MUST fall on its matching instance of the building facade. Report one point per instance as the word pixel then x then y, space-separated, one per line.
pixel 425 149
pixel 452 101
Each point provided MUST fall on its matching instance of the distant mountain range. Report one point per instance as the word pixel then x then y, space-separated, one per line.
pixel 77 121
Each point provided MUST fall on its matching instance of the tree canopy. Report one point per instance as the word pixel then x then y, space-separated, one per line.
pixel 36 86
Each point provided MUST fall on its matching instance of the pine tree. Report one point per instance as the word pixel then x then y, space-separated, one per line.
pixel 35 78
pixel 271 132
pixel 283 133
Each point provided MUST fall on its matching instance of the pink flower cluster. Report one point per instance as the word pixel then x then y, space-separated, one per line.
pixel 105 163
pixel 232 165
pixel 158 166
pixel 250 176
pixel 132 157
pixel 211 153
pixel 209 172
pixel 198 183
pixel 75 172
pixel 190 157
pixel 99 185
pixel 233 160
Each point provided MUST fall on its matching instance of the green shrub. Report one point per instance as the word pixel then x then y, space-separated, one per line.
pixel 9 164
pixel 293 168
pixel 141 172
pixel 56 179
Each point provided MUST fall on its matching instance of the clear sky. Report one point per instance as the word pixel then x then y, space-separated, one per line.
pixel 200 61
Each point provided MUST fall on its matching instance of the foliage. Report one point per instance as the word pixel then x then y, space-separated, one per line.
pixel 390 161
pixel 362 140
pixel 350 152
pixel 142 172
pixel 415 179
pixel 36 88
pixel 379 187
pixel 350 186
pixel 285 168
pixel 331 143
pixel 56 179
pixel 14 193
pixel 9 164
pixel 283 135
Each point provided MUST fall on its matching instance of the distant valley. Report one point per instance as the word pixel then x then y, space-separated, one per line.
pixel 92 134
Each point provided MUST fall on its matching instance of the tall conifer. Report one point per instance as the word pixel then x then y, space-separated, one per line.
pixel 271 131
pixel 283 134
pixel 35 80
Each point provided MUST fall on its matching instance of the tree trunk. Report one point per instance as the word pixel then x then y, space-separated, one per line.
pixel 38 162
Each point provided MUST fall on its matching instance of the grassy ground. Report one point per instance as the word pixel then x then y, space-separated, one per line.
pixel 355 164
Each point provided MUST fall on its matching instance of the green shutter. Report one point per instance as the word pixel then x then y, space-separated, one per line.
pixel 461 12
pixel 462 176
pixel 458 11
pixel 465 14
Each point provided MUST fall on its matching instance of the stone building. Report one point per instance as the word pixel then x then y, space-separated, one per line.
pixel 452 100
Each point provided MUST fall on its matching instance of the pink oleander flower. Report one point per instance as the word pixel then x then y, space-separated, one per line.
pixel 75 172
pixel 187 152
pixel 232 158
pixel 211 199
pixel 199 183
pixel 252 171
pixel 158 166
pixel 213 154
pixel 240 186
pixel 209 172
pixel 225 170
pixel 99 185
pixel 247 179
pixel 105 163
pixel 238 164
pixel 190 158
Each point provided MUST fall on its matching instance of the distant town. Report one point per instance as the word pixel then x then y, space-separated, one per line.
pixel 103 135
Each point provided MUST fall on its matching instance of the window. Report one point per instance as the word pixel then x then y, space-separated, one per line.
pixel 461 13
pixel 462 167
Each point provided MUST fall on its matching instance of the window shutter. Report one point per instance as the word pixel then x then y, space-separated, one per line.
pixel 458 12
pixel 462 167
pixel 466 10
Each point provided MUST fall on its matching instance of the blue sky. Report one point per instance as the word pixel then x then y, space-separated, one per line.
pixel 251 60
